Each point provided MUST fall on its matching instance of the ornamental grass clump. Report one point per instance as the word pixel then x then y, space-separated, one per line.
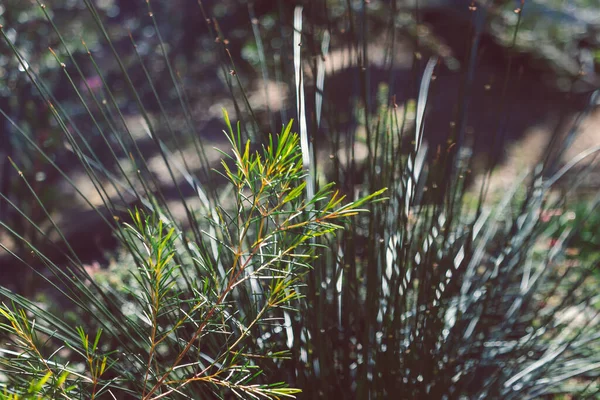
pixel 228 278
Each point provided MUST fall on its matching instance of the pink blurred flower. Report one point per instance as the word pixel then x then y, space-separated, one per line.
pixel 94 83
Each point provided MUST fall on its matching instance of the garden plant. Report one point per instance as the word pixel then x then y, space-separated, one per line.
pixel 337 245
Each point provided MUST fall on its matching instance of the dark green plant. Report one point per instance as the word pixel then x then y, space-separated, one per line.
pixel 198 307
pixel 435 293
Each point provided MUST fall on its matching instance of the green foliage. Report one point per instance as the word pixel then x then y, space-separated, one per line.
pixel 196 315
pixel 239 287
